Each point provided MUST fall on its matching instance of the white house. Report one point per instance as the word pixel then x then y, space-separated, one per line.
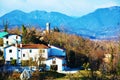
pixel 33 51
pixel 25 52
pixel 10 53
pixel 53 55
pixel 10 39
pixel 59 63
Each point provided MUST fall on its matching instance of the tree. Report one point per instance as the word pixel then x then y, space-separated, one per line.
pixel 71 58
pixel 24 34
pixel 56 29
pixel 29 35
pixel 15 30
pixel 1 42
pixel 13 62
pixel 1 53
pixel 5 24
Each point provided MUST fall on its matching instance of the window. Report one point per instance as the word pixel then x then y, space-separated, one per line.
pixel 7 37
pixel 17 42
pixel 18 49
pixel 53 62
pixel 6 42
pixel 23 55
pixel 30 51
pixel 43 51
pixel 11 58
pixel 16 37
pixel 40 51
pixel 10 51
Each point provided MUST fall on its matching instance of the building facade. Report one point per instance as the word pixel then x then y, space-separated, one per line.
pixel 10 39
pixel 53 56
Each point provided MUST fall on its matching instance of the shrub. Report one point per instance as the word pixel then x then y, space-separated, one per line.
pixel 25 62
pixel 13 62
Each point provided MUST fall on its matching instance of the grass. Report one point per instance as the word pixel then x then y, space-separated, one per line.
pixel 48 75
pixel 51 75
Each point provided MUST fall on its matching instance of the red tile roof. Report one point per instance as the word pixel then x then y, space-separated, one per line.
pixel 42 46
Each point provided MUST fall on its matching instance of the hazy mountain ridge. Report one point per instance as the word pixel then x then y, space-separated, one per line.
pixel 102 23
pixel 39 18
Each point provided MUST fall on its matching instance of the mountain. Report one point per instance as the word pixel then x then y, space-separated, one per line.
pixel 36 18
pixel 104 23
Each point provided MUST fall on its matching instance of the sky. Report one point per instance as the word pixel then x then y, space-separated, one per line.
pixel 68 7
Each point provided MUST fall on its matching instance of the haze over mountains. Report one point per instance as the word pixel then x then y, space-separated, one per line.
pixel 103 23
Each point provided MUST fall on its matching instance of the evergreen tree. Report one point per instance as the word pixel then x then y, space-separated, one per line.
pixel 24 34
pixel 56 29
pixel 5 24
pixel 71 58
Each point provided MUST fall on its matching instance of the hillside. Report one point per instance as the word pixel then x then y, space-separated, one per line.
pixel 101 24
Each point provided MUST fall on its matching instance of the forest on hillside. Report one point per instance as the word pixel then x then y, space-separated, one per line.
pixel 81 52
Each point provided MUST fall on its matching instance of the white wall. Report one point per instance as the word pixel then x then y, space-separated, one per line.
pixel 35 53
pixel 12 54
pixel 59 62
pixel 11 40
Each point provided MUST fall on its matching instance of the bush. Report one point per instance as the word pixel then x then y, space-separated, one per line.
pixel 2 62
pixel 13 62
pixel 14 76
pixel 25 62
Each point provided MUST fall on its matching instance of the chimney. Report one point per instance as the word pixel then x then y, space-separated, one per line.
pixel 15 45
pixel 20 45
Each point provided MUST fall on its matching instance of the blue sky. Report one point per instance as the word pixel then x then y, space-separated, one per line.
pixel 69 7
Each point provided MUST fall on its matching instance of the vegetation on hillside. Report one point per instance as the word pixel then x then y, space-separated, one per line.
pixel 81 52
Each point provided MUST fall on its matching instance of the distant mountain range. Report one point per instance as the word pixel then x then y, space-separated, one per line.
pixel 104 23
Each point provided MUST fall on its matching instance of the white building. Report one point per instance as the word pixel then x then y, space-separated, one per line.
pixel 10 39
pixel 33 51
pixel 53 55
pixel 59 62
pixel 10 52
